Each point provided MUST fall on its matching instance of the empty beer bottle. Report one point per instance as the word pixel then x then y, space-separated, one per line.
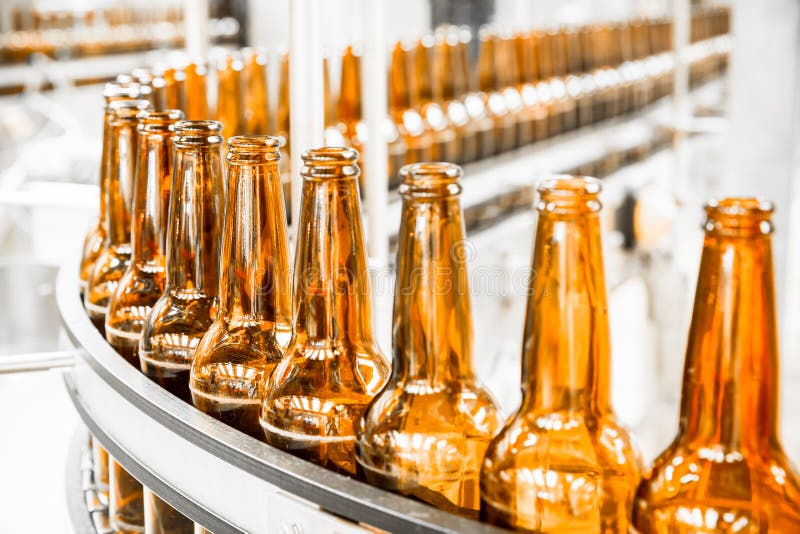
pixel 253 326
pixel 496 107
pixel 93 243
pixel 348 107
pixel 143 282
pixel 161 518
pixel 445 92
pixel 480 120
pixel 100 470
pixel 229 94
pixel 189 304
pixel 445 144
pixel 256 108
pixel 410 124
pixel 317 394
pixel 425 434
pixel 196 91
pixel 562 463
pixel 116 252
pixel 534 113
pixel 282 127
pixel 726 471
pixel 125 502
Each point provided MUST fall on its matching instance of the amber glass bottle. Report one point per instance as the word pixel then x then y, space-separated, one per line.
pixel 256 109
pixel 410 124
pixel 726 471
pixel 348 107
pixel 93 243
pixel 253 326
pixel 534 113
pixel 161 518
pixel 196 91
pixel 445 144
pixel 480 121
pixel 562 463
pixel 333 367
pixel 143 282
pixel 189 303
pixel 445 92
pixel 100 470
pixel 282 128
pixel 229 94
pixel 425 434
pixel 503 121
pixel 508 78
pixel 116 252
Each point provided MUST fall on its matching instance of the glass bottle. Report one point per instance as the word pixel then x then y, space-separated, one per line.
pixel 229 94
pixel 480 120
pixel 424 435
pixel 189 304
pixel 282 128
pixel 348 106
pixel 161 518
pixel 100 470
pixel 93 242
pixel 317 394
pixel 256 109
pixel 143 282
pixel 116 252
pixel 444 91
pixel 410 124
pixel 726 471
pixel 253 326
pixel 174 88
pixel 503 122
pixel 196 91
pixel 562 463
pixel 445 144
pixel 534 113
pixel 509 79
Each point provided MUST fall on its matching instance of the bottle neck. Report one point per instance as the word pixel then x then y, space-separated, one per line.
pixel 399 95
pixel 565 362
pixel 332 291
pixel 255 278
pixel 432 314
pixel 119 184
pixel 730 391
pixel 151 198
pixel 105 160
pixel 349 104
pixel 195 220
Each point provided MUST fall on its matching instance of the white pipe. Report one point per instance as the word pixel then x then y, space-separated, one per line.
pixel 306 96
pixel 195 17
pixel 373 89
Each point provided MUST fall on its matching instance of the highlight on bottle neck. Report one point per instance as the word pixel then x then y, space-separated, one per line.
pixel 738 217
pixel 125 111
pixel 253 149
pixel 158 122
pixel 568 195
pixel 430 180
pixel 114 91
pixel 197 133
pixel 330 163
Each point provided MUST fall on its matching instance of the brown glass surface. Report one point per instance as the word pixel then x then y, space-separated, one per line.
pixel 424 435
pixel 410 124
pixel 445 144
pixel 333 367
pixel 161 518
pixel 563 463
pixel 445 91
pixel 126 507
pixel 726 471
pixel 253 326
pixel 229 95
pixel 115 254
pixel 196 92
pixel 95 237
pixel 100 470
pixel 189 304
pixel 256 103
pixel 494 102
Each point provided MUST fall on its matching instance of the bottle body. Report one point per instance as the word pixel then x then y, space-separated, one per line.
pixel 317 394
pixel 161 518
pixel 116 252
pixel 253 326
pixel 425 434
pixel 189 304
pixel 563 463
pixel 726 470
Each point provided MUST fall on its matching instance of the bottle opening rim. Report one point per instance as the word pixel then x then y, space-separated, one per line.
pixel 254 143
pixel 566 185
pixel 432 178
pixel 740 207
pixel 739 216
pixel 159 117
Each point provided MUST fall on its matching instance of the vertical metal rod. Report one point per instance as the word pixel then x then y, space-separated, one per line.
pixel 373 88
pixel 306 97
pixel 196 22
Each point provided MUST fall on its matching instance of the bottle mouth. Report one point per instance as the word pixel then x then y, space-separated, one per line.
pixel 253 149
pixel 330 162
pixel 430 179
pixel 159 121
pixel 193 133
pixel 739 216
pixel 117 91
pixel 127 109
pixel 564 193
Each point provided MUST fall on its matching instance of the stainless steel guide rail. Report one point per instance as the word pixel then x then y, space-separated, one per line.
pixel 213 474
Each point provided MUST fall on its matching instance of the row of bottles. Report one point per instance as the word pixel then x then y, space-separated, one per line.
pixel 445 106
pixel 192 286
